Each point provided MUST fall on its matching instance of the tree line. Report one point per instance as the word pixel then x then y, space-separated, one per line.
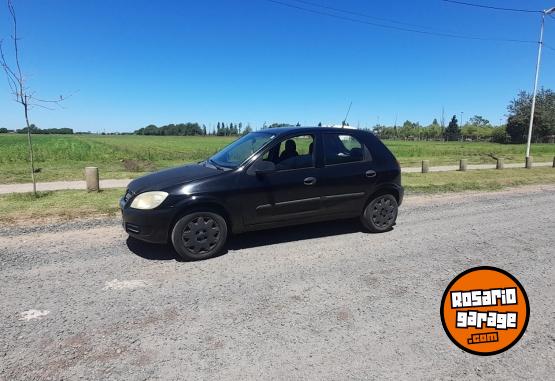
pixel 477 128
pixel 192 129
pixel 35 130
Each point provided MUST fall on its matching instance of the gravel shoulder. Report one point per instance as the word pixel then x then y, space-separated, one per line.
pixel 326 301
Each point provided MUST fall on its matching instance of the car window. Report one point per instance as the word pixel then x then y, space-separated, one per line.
pixel 238 151
pixel 340 148
pixel 292 153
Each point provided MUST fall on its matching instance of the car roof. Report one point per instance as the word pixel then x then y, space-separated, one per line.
pixel 287 130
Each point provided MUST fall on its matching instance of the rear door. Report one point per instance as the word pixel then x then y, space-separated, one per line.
pixel 348 176
pixel 291 192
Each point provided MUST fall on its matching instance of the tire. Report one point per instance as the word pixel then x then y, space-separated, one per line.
pixel 380 214
pixel 199 235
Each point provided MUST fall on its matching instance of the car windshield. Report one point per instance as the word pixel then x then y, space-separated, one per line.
pixel 237 152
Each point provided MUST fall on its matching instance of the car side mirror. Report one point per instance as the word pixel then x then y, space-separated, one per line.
pixel 263 167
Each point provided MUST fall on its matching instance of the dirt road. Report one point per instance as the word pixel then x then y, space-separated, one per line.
pixel 326 301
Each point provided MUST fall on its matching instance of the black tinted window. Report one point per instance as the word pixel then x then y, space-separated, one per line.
pixel 292 153
pixel 342 148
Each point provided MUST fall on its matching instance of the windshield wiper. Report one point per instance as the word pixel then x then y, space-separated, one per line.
pixel 215 164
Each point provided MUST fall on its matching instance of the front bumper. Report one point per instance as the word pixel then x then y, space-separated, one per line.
pixel 147 225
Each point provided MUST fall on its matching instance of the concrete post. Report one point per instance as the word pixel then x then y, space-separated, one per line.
pixel 425 166
pixel 500 163
pixel 529 162
pixel 91 178
pixel 463 164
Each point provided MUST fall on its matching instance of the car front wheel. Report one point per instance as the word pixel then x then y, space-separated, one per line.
pixel 199 235
pixel 380 213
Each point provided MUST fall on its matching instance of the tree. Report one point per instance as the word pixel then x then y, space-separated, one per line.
pixel 23 95
pixel 453 132
pixel 410 129
pixel 499 134
pixel 3 130
pixel 181 129
pixel 248 129
pixel 320 124
pixel 298 124
pixel 478 121
pixel 277 125
pixel 433 131
pixel 519 116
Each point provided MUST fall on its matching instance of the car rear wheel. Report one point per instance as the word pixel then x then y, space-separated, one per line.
pixel 199 235
pixel 380 213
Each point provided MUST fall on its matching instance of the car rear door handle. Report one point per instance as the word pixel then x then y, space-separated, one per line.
pixel 370 173
pixel 310 181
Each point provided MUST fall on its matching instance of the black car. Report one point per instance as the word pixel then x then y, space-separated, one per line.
pixel 266 179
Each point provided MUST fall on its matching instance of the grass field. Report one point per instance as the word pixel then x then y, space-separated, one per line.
pixel 63 157
pixel 63 205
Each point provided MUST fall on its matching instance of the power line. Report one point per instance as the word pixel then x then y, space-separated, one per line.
pixel 360 14
pixel 492 7
pixel 403 29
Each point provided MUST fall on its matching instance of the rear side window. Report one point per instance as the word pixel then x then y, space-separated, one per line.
pixel 342 148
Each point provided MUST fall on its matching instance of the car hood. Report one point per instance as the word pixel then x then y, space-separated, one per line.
pixel 169 177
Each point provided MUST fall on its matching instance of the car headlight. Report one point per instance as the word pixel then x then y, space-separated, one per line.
pixel 148 200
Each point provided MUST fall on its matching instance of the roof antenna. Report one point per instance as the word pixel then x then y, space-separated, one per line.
pixel 344 123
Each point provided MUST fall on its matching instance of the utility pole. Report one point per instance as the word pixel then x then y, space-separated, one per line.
pixel 545 13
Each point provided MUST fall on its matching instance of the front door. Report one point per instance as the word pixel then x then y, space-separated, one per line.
pixel 291 191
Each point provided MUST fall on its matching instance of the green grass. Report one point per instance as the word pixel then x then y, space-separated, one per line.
pixel 410 153
pixel 64 157
pixel 479 180
pixel 66 204
pixel 18 208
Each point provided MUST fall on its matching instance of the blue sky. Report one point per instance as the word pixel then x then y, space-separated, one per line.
pixel 132 63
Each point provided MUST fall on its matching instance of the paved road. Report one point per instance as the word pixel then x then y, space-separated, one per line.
pixel 122 183
pixel 325 301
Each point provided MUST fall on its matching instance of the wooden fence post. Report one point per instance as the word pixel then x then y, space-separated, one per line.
pixel 91 178
pixel 463 164
pixel 529 162
pixel 500 163
pixel 425 166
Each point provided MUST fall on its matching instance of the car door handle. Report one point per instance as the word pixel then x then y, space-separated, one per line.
pixel 310 181
pixel 370 173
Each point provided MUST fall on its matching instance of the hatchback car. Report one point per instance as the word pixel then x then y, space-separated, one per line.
pixel 266 179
